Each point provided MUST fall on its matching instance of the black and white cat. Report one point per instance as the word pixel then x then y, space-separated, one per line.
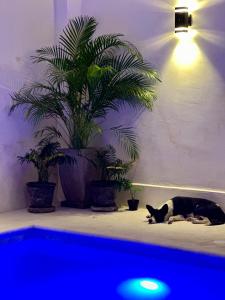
pixel 196 210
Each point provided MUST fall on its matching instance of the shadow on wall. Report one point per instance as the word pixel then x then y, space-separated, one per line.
pixel 16 133
pixel 12 79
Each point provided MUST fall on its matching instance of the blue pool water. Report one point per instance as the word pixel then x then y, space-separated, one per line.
pixel 44 264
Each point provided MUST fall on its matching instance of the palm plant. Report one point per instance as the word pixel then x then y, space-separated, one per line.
pixel 113 178
pixel 127 185
pixel 112 168
pixel 46 155
pixel 87 77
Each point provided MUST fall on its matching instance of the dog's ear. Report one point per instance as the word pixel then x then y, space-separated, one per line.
pixel 150 209
pixel 164 209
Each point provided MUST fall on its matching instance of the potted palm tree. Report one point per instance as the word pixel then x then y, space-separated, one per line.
pixel 87 77
pixel 112 179
pixel 133 202
pixel 47 154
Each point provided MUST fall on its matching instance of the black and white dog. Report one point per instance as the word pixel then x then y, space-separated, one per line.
pixel 196 210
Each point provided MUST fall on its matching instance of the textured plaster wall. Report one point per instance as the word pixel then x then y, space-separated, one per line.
pixel 74 8
pixel 65 10
pixel 25 25
pixel 183 139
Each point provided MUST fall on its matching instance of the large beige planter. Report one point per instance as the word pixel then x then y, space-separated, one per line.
pixel 75 179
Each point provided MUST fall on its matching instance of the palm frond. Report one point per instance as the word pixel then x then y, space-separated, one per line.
pixel 123 88
pixel 29 157
pixel 55 55
pixel 46 154
pixel 87 77
pixel 77 34
pixel 133 88
pixel 84 129
pixel 101 46
pixel 46 148
pixel 49 133
pixel 37 106
pixel 129 81
pixel 133 49
pixel 60 158
pixel 127 140
pixel 106 155
pixel 128 62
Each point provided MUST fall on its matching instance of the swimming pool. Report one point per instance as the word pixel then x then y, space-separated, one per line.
pixel 39 263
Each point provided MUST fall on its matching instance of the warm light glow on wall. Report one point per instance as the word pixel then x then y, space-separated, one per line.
pixel 186 52
pixel 188 37
pixel 192 5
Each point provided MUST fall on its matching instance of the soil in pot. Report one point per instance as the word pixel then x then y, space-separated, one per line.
pixel 40 196
pixel 102 195
pixel 133 204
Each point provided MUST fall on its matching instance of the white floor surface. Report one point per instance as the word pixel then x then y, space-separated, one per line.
pixel 123 224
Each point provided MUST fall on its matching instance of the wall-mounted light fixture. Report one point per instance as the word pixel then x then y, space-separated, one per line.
pixel 182 19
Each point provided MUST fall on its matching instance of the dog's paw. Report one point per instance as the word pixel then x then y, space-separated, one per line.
pixel 189 219
pixel 170 221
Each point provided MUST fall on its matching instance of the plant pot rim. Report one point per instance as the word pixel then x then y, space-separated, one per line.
pixel 103 183
pixel 76 149
pixel 134 200
pixel 40 183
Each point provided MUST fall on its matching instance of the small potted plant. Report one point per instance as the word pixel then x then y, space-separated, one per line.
pixel 112 177
pixel 41 192
pixel 133 203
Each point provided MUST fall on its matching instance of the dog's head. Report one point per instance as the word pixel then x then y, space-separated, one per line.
pixel 156 215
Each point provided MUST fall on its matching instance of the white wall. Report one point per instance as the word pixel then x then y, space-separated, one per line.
pixel 65 10
pixel 183 139
pixel 25 25
pixel 74 8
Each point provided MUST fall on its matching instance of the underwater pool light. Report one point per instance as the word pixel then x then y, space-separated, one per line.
pixel 143 288
pixel 150 285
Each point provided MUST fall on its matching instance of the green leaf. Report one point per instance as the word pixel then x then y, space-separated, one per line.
pixel 127 140
pixel 77 34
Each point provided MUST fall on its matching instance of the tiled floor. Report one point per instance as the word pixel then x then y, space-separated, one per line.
pixel 123 224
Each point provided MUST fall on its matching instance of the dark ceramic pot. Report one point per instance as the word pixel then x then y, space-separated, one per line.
pixel 133 204
pixel 76 178
pixel 102 195
pixel 40 196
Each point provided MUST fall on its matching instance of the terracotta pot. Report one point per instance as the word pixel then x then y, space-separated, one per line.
pixel 40 196
pixel 76 178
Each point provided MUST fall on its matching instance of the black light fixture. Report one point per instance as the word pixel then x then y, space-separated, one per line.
pixel 182 19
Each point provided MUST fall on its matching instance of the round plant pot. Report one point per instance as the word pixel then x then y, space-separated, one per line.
pixel 40 196
pixel 76 178
pixel 103 194
pixel 133 204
